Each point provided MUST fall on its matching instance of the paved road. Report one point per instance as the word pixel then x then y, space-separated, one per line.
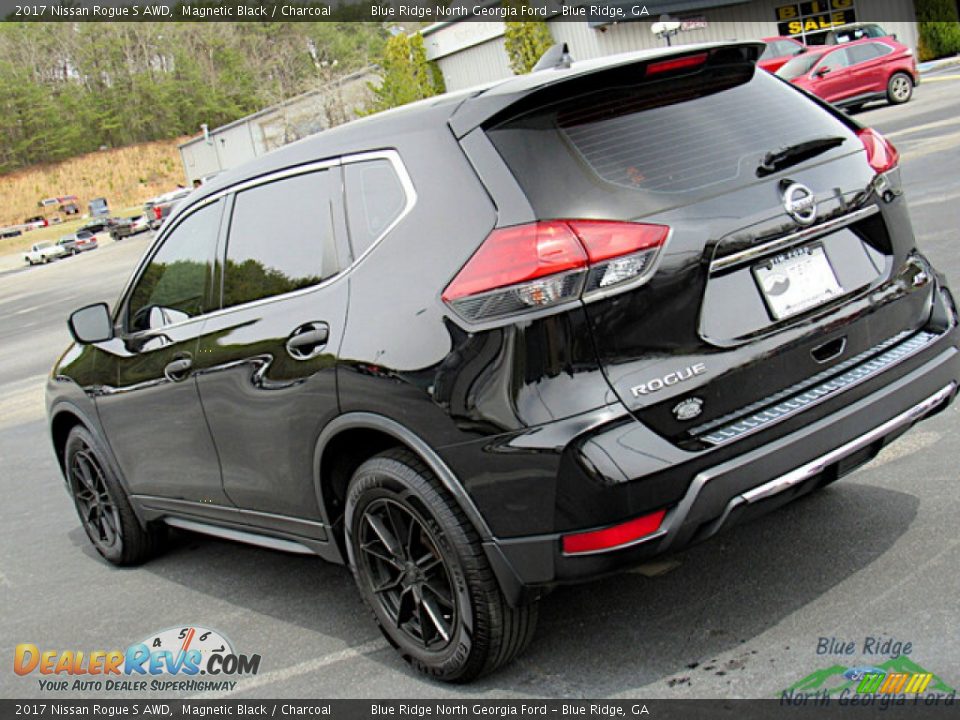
pixel 875 555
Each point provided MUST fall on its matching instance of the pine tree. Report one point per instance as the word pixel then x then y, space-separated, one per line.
pixel 937 23
pixel 407 76
pixel 526 42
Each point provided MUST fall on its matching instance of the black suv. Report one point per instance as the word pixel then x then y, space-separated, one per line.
pixel 510 338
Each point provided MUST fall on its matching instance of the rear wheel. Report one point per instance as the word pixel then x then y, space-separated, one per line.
pixel 899 88
pixel 102 504
pixel 420 568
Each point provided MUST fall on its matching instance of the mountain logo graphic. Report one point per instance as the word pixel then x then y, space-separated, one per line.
pixel 897 675
pixel 776 284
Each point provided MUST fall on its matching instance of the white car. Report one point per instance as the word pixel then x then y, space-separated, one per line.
pixel 141 223
pixel 44 252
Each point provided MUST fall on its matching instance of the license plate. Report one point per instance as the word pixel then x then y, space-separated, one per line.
pixel 797 280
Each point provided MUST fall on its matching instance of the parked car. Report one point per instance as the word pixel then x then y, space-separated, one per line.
pixel 35 223
pixel 139 224
pixel 847 33
pixel 594 317
pixel 160 207
pixel 778 51
pixel 856 73
pixel 87 240
pixel 98 206
pixel 125 227
pixel 43 252
pixel 68 243
pixel 100 229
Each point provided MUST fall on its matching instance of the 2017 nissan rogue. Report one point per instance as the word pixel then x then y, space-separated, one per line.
pixel 529 334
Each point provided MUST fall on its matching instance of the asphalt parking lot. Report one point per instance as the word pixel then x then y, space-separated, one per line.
pixel 874 556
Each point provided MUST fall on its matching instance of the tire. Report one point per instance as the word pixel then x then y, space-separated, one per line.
pixel 899 88
pixel 108 519
pixel 439 571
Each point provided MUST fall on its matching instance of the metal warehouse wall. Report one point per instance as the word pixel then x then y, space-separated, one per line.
pixel 476 65
pixel 488 61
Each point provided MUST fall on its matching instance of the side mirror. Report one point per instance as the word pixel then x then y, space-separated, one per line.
pixel 822 71
pixel 893 35
pixel 91 324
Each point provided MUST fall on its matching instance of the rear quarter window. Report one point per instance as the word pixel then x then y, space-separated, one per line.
pixel 375 198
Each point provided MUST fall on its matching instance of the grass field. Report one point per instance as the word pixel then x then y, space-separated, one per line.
pixel 126 177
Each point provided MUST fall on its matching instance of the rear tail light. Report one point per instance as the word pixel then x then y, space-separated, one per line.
pixel 881 154
pixel 614 537
pixel 542 264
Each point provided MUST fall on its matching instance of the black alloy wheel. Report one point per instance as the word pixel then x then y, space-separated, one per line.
pixel 410 578
pixel 95 506
pixel 421 568
pixel 102 503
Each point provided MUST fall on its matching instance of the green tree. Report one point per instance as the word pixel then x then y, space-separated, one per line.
pixel 526 42
pixel 406 74
pixel 937 23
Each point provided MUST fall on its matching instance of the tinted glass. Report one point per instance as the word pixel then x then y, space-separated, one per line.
pixel 281 239
pixel 375 198
pixel 628 150
pixel 175 285
pixel 780 48
pixel 800 65
pixel 835 60
pixel 862 53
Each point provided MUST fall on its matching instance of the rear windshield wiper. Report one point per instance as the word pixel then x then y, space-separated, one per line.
pixel 792 154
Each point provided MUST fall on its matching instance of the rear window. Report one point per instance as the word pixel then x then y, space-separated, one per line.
pixel 626 151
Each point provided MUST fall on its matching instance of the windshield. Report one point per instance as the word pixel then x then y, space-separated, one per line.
pixel 800 65
pixel 43 245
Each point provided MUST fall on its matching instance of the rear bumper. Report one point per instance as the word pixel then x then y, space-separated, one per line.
pixel 749 484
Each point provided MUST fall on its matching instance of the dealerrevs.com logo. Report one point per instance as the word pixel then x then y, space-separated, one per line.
pixel 183 653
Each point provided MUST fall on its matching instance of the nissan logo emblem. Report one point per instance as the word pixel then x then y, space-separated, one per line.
pixel 800 204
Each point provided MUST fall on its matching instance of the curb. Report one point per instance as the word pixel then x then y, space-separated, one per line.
pixel 937 64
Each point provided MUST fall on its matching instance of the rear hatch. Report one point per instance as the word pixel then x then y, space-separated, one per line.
pixel 782 266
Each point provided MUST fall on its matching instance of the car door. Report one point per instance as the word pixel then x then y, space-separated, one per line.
pixel 267 375
pixel 865 67
pixel 833 76
pixel 151 412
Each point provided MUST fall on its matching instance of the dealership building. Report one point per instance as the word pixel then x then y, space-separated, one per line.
pixel 470 52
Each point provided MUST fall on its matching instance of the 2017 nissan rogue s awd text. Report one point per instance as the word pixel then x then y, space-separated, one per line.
pixel 530 334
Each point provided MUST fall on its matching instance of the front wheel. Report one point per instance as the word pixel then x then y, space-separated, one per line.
pixel 102 504
pixel 899 88
pixel 420 568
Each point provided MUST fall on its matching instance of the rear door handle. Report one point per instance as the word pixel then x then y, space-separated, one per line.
pixel 178 370
pixel 308 340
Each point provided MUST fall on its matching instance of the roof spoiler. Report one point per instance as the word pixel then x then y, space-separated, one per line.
pixel 494 100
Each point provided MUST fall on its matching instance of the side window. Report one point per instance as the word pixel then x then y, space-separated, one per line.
pixel 176 284
pixel 881 48
pixel 375 198
pixel 862 53
pixel 281 239
pixel 835 60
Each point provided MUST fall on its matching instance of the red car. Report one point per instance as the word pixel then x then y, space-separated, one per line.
pixel 855 73
pixel 779 51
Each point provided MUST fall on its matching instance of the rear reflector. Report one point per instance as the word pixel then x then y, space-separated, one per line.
pixel 613 537
pixel 538 265
pixel 881 154
pixel 680 63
